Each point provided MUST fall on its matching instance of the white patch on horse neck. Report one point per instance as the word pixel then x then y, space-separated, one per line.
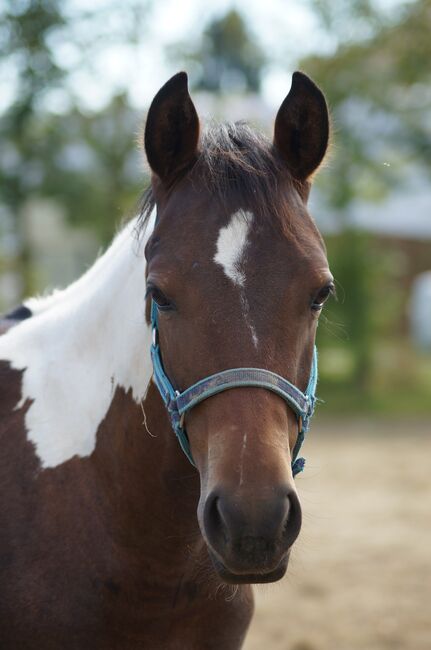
pixel 79 346
pixel 231 245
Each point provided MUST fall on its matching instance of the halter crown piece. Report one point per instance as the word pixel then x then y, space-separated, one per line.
pixel 178 404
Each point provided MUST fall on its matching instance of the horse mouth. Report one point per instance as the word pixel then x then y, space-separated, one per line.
pixel 259 577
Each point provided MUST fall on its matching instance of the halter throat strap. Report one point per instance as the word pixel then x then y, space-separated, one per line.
pixel 179 403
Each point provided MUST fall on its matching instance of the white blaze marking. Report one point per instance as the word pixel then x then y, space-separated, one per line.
pixel 246 312
pixel 253 335
pixel 78 347
pixel 231 245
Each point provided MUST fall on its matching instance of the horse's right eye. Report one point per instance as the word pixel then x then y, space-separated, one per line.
pixel 159 298
pixel 323 294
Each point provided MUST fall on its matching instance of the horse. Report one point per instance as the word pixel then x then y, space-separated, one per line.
pixel 196 326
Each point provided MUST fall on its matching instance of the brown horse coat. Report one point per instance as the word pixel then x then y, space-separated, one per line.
pixel 100 545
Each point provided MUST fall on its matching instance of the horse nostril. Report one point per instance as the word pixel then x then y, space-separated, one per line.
pixel 214 523
pixel 228 520
pixel 293 519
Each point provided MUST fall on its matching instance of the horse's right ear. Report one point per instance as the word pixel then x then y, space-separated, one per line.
pixel 301 128
pixel 172 130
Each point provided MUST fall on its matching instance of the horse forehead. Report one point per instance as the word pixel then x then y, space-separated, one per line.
pixel 196 232
pixel 244 242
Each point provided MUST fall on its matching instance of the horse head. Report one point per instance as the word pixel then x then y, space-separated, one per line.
pixel 238 274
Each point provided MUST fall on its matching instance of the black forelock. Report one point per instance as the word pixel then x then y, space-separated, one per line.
pixel 237 161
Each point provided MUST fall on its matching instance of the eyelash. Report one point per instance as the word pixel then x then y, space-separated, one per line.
pixel 322 296
pixel 163 303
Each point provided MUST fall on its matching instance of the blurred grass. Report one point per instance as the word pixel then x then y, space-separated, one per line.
pixel 399 381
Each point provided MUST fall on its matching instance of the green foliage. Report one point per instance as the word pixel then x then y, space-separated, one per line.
pixel 377 84
pixel 351 264
pixel 25 27
pixel 390 74
pixel 89 162
pixel 24 37
pixel 350 20
pixel 95 168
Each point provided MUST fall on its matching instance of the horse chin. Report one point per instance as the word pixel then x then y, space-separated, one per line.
pixel 259 577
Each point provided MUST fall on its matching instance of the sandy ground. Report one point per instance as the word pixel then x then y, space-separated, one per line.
pixel 360 575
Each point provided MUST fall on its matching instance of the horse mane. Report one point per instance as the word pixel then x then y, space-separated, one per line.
pixel 237 161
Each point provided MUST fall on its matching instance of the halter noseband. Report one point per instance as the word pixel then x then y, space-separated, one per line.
pixel 178 403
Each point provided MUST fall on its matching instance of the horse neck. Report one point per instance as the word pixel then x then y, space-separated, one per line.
pixel 81 345
pixel 88 399
pixel 150 485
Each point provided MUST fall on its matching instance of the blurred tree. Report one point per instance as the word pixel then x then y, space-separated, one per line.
pixel 350 20
pixel 381 84
pixel 47 154
pixel 94 168
pixel 227 57
pixel 377 85
pixel 23 37
pixel 352 264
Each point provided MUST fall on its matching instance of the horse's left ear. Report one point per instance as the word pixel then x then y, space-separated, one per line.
pixel 172 130
pixel 301 128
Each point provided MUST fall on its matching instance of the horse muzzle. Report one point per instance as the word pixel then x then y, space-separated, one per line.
pixel 249 538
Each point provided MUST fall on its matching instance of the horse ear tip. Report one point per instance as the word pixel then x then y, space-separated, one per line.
pixel 173 87
pixel 300 78
pixel 304 85
pixel 180 80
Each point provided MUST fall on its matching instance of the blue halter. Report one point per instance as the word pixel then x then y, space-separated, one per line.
pixel 178 403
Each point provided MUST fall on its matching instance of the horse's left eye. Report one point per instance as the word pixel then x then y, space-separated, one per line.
pixel 321 296
pixel 159 298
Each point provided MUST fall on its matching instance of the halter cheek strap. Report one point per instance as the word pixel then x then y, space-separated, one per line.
pixel 179 403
